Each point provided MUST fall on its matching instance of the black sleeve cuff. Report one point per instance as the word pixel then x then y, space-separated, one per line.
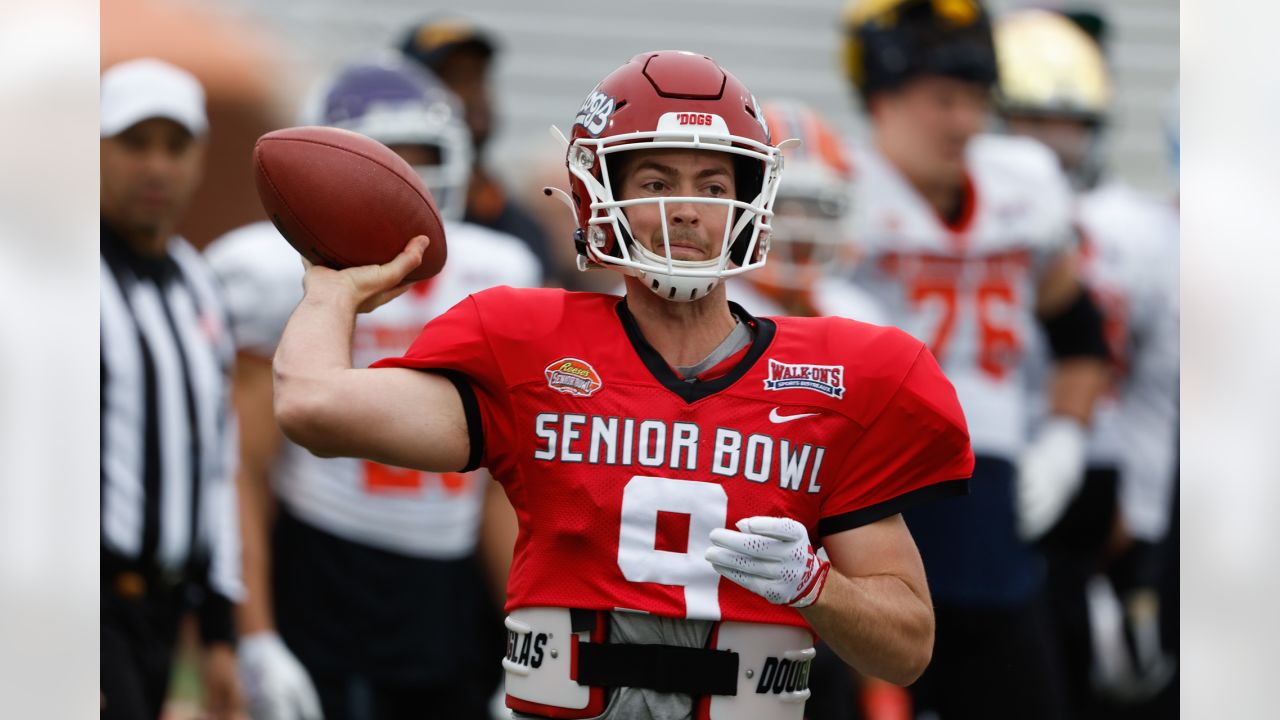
pixel 892 506
pixel 217 619
pixel 471 408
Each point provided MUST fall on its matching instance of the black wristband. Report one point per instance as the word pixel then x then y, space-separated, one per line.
pixel 217 619
pixel 1076 331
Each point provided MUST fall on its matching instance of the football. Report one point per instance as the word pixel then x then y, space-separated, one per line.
pixel 344 200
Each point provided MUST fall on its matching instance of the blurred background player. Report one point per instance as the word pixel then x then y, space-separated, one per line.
pixel 168 444
pixel 968 243
pixel 1055 86
pixel 369 575
pixel 811 251
pixel 461 55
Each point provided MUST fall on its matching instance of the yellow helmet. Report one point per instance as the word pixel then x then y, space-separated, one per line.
pixel 887 42
pixel 1050 66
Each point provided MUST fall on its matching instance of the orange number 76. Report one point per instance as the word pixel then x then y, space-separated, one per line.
pixel 995 301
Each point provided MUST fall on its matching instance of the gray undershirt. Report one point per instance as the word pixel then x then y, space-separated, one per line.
pixel 737 339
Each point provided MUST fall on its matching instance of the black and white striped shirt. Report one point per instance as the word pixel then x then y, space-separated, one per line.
pixel 168 435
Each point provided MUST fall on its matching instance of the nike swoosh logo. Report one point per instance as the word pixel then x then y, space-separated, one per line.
pixel 775 416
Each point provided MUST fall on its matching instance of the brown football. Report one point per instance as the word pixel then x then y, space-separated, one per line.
pixel 345 200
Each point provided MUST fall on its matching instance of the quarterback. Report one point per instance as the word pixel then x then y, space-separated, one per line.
pixel 675 463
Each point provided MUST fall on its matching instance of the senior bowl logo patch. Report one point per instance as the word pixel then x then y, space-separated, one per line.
pixel 826 379
pixel 572 376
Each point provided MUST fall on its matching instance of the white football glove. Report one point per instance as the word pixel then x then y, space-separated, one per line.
pixel 1049 474
pixel 276 686
pixel 771 557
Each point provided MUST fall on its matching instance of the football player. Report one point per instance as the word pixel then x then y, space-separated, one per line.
pixel 352 570
pixel 810 250
pixel 674 461
pixel 1054 86
pixel 968 243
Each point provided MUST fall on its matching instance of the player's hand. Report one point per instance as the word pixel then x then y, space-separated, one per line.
pixel 368 286
pixel 276 685
pixel 771 557
pixel 1049 474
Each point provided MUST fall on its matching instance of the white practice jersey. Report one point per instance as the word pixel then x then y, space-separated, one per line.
pixel 832 297
pixel 1130 260
pixel 968 289
pixel 406 511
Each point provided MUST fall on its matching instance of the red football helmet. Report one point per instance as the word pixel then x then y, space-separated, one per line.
pixel 671 99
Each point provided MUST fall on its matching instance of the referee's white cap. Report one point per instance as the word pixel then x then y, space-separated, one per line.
pixel 146 88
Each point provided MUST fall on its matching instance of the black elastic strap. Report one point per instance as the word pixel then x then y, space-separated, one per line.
pixel 1076 331
pixel 665 668
pixel 582 620
pixel 471 409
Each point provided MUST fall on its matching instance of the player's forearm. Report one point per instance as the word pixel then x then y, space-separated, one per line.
pixel 253 614
pixel 876 624
pixel 1075 386
pixel 259 446
pixel 314 349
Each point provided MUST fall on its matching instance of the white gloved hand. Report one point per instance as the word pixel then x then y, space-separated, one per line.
pixel 276 686
pixel 1049 474
pixel 771 557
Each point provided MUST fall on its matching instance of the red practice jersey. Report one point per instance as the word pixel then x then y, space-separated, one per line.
pixel 618 469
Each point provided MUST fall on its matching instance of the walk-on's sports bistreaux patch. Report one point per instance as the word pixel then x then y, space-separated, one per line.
pixel 826 379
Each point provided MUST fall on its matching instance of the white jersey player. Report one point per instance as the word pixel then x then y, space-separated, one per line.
pixel 408 512
pixel 968 288
pixel 1129 258
pixel 348 583
pixel 1055 87
pixel 966 240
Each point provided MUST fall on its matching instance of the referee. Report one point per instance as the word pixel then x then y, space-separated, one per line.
pixel 169 530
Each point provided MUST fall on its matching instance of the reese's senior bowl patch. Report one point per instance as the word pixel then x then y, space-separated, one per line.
pixel 826 379
pixel 572 376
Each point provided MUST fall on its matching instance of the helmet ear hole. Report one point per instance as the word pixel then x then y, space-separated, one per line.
pixel 748 177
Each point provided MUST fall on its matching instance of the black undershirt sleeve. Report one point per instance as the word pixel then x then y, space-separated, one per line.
pixel 1076 331
pixel 471 407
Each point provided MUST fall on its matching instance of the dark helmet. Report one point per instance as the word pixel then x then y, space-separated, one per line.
pixel 888 42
